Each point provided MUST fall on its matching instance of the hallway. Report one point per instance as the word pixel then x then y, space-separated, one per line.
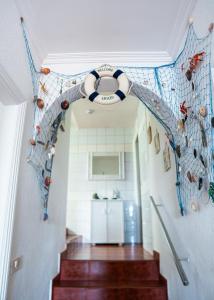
pixel 107 150
pixel 109 272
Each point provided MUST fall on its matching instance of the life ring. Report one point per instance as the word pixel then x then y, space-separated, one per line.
pixel 106 71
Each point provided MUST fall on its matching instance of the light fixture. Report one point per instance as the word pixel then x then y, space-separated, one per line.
pixel 89 111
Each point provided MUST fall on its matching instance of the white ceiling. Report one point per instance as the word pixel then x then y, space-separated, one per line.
pixel 112 30
pixel 119 115
pixel 104 26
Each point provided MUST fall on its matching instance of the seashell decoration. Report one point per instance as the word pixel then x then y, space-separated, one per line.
pixel 65 105
pixel 203 111
pixel 40 103
pixel 45 71
pixel 181 125
pixel 43 88
pixel 38 129
pixel 48 181
pixel 32 142
pixel 51 151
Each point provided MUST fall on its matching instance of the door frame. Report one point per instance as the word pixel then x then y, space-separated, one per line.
pixel 138 184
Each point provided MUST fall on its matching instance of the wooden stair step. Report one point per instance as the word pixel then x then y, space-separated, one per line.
pixel 109 284
pixel 109 273
pixel 103 290
pixel 73 239
pixel 109 270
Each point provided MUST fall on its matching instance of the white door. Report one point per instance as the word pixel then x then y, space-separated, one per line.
pixel 99 221
pixel 115 221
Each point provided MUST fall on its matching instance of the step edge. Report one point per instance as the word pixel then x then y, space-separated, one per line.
pixel 110 260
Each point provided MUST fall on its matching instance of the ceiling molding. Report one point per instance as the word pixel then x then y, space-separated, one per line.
pixel 123 58
pixel 10 93
pixel 181 23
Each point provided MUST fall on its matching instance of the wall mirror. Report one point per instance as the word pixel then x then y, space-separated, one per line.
pixel 106 166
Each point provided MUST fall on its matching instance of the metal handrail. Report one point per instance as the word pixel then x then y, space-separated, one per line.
pixel 177 261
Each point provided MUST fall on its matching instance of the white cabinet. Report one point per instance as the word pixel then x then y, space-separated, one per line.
pixel 99 221
pixel 107 222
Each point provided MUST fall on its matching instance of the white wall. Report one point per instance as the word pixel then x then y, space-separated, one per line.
pixel 10 131
pixel 15 80
pixel 192 235
pixel 7 114
pixel 81 189
pixel 38 242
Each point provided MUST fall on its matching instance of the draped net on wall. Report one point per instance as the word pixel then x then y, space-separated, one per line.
pixel 178 94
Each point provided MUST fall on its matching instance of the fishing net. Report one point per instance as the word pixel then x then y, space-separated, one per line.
pixel 179 95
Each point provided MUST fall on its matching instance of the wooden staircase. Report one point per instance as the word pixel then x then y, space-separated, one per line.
pixel 108 272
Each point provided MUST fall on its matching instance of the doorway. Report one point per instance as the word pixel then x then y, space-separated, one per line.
pixel 97 132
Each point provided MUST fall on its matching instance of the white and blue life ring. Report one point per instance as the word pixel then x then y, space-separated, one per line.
pixel 106 71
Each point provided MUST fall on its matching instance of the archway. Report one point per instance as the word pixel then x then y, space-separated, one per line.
pixel 50 123
pixel 178 95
